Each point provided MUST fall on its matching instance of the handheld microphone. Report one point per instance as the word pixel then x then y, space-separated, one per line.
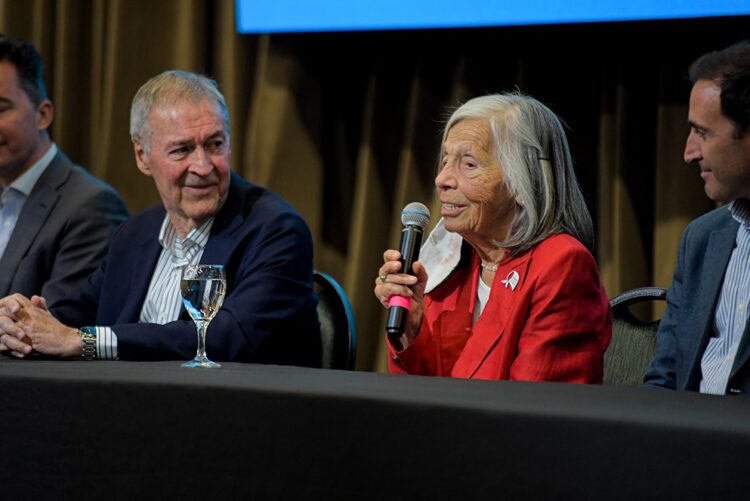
pixel 415 218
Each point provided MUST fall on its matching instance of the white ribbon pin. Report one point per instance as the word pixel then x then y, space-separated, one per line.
pixel 511 280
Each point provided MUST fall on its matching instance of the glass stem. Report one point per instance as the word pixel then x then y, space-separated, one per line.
pixel 201 353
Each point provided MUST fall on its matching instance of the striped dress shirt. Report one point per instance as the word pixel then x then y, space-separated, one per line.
pixel 163 300
pixel 731 312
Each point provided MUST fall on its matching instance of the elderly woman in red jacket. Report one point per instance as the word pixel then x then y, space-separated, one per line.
pixel 506 286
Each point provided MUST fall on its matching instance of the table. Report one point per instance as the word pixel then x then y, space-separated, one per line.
pixel 116 430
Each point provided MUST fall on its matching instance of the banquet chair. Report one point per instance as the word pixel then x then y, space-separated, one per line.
pixel 633 342
pixel 337 328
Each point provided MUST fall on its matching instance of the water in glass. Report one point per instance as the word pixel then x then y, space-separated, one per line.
pixel 203 288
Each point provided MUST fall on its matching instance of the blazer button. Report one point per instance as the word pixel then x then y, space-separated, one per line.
pixel 735 391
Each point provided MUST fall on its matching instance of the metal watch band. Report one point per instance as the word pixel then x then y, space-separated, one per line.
pixel 88 338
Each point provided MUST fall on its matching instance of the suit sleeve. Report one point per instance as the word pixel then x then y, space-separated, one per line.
pixel 268 316
pixel 79 309
pixel 84 244
pixel 569 323
pixel 662 371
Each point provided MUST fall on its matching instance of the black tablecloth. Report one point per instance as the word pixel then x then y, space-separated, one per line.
pixel 115 430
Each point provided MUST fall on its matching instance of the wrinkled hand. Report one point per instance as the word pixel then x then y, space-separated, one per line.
pixel 392 283
pixel 40 302
pixel 13 339
pixel 25 324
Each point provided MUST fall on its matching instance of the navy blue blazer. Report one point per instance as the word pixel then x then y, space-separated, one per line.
pixel 705 248
pixel 269 312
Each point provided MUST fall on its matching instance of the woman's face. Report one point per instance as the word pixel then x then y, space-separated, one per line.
pixel 475 201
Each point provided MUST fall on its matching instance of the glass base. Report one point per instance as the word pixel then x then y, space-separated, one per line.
pixel 202 362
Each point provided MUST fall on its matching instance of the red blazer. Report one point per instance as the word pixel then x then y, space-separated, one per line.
pixel 553 326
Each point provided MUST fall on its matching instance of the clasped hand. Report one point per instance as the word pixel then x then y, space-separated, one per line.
pixel 26 325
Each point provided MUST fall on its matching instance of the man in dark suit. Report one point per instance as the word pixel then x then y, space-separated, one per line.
pixel 55 218
pixel 703 343
pixel 131 307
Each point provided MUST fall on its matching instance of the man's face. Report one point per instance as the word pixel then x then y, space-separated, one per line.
pixel 712 145
pixel 22 126
pixel 189 160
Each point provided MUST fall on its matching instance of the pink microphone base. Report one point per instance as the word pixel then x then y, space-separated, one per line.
pixel 401 301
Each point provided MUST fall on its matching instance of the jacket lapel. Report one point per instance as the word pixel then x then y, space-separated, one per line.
pixel 715 261
pixel 220 244
pixel 228 220
pixel 35 212
pixel 507 286
pixel 140 271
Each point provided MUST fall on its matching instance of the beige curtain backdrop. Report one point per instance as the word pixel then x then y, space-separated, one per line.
pixel 346 126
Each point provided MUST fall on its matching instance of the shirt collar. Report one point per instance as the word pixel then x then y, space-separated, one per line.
pixel 740 210
pixel 26 181
pixel 179 248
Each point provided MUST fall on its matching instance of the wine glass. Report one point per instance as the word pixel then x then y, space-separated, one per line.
pixel 203 287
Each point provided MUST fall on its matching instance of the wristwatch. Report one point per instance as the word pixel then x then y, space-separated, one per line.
pixel 88 338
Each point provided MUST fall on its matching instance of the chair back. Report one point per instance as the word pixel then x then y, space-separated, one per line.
pixel 338 331
pixel 633 342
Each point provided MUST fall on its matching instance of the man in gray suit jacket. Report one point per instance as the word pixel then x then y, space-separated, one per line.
pixel 55 218
pixel 703 342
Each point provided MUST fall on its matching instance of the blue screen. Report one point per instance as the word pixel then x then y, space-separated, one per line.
pixel 278 16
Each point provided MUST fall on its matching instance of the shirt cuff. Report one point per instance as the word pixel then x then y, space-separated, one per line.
pixel 106 343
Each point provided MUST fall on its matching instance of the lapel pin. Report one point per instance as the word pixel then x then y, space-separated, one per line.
pixel 511 280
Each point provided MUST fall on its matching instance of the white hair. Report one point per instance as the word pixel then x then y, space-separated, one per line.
pixel 165 89
pixel 532 150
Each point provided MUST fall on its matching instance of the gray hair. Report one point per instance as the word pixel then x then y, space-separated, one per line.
pixel 166 89
pixel 532 149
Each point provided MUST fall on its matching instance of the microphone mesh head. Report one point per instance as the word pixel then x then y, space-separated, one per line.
pixel 415 214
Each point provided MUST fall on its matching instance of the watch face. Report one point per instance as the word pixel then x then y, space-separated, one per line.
pixel 88 330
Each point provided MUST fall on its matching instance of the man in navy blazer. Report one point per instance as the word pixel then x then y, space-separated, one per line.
pixel 56 219
pixel 703 343
pixel 131 307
